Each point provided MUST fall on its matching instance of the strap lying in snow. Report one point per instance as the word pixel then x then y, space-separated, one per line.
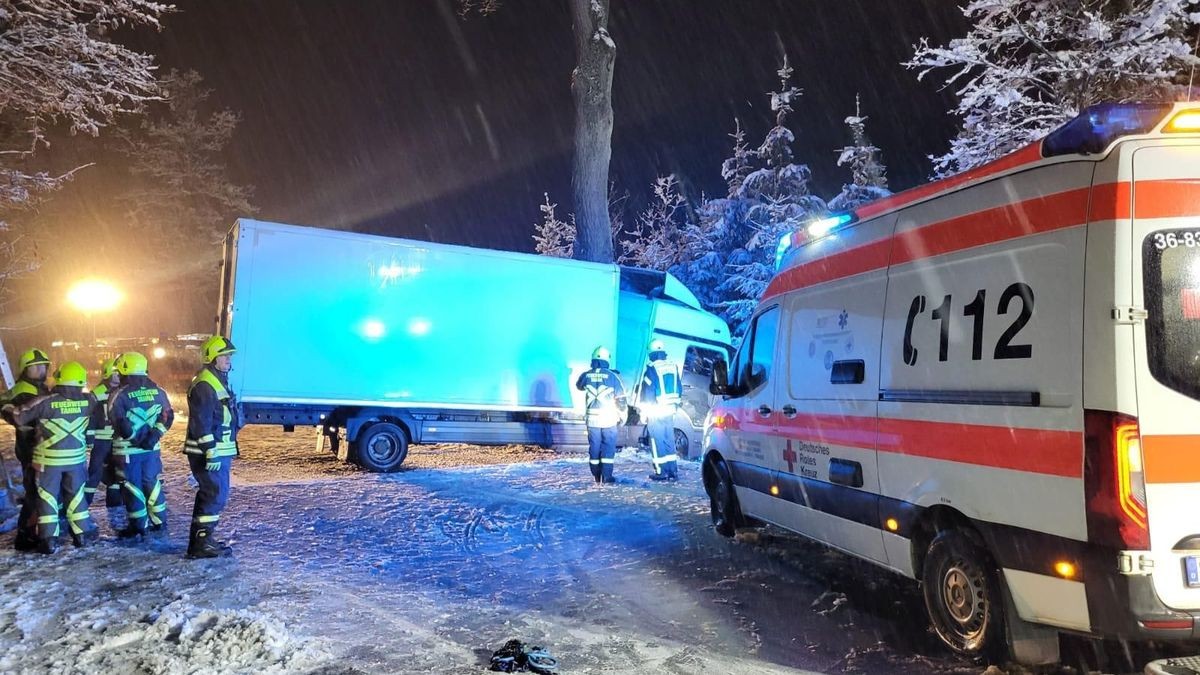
pixel 514 657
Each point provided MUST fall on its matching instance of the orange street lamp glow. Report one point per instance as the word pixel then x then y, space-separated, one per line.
pixel 94 295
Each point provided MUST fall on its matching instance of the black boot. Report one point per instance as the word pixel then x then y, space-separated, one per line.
pixel 132 533
pixel 25 541
pixel 87 538
pixel 112 497
pixel 158 529
pixel 48 545
pixel 202 545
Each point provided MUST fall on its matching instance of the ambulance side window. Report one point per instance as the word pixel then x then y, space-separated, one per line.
pixel 762 348
pixel 737 369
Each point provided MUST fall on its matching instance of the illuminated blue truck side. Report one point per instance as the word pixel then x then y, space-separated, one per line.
pixel 387 342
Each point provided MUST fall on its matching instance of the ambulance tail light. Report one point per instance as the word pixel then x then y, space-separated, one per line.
pixel 1114 482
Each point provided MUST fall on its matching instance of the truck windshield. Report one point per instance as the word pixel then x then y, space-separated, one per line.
pixel 1171 263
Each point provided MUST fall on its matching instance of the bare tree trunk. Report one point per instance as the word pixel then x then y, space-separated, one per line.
pixel 592 87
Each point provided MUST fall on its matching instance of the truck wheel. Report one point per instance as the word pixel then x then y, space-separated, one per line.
pixel 381 447
pixel 963 595
pixel 726 514
pixel 681 444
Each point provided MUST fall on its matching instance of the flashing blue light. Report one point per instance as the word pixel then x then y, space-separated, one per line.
pixel 822 227
pixel 1099 125
pixel 814 230
pixel 785 243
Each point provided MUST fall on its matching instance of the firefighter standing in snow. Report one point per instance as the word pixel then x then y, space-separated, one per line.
pixel 211 444
pixel 61 420
pixel 100 464
pixel 140 414
pixel 34 366
pixel 605 397
pixel 661 388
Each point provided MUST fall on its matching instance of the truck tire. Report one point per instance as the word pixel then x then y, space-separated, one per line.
pixel 682 444
pixel 963 595
pixel 381 447
pixel 726 514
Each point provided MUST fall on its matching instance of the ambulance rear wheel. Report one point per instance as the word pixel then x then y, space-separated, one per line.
pixel 726 514
pixel 381 447
pixel 963 595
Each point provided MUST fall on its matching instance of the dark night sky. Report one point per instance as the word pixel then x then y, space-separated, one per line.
pixel 402 118
pixel 398 117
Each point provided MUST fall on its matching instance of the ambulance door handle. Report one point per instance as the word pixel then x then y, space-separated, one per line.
pixel 789 411
pixel 764 411
pixel 845 472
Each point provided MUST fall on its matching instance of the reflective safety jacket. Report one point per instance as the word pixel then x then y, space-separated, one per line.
pixel 22 392
pixel 212 416
pixel 662 389
pixel 61 421
pixel 604 393
pixel 140 414
pixel 100 433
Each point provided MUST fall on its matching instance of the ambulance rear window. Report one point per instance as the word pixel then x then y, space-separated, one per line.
pixel 1171 263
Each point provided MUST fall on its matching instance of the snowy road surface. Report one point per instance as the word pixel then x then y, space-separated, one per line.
pixel 432 568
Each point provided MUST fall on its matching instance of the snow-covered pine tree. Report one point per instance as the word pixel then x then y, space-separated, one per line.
pixel 777 200
pixel 656 241
pixel 867 172
pixel 554 237
pixel 718 229
pixel 1027 66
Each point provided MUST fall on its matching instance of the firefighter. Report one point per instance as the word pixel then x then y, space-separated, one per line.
pixel 33 366
pixel 661 395
pixel 140 415
pixel 62 420
pixel 211 444
pixel 100 464
pixel 605 396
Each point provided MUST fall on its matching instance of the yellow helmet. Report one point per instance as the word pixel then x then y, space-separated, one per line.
pixel 107 369
pixel 216 346
pixel 33 357
pixel 71 374
pixel 601 353
pixel 131 363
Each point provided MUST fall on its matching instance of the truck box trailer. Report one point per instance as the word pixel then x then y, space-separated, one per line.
pixel 390 341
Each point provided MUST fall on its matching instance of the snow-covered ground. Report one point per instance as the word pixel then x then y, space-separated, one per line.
pixel 432 568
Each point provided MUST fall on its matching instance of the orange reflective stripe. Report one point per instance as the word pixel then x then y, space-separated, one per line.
pixel 1171 459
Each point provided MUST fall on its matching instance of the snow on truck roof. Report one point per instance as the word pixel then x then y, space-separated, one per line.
pixel 1089 135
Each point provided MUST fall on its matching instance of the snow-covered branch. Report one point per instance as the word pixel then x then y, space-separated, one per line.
pixel 1027 66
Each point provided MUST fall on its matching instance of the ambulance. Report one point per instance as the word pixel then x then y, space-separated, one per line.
pixel 991 384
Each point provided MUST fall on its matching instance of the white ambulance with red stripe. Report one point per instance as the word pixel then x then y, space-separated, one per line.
pixel 991 384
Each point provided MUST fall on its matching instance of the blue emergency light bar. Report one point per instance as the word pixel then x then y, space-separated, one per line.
pixel 1094 129
pixel 814 230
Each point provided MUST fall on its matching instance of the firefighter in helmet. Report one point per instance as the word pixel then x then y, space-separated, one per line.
pixel 33 367
pixel 61 420
pixel 140 414
pixel 211 444
pixel 661 394
pixel 606 406
pixel 100 464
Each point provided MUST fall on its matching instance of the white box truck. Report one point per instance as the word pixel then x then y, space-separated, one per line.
pixel 390 341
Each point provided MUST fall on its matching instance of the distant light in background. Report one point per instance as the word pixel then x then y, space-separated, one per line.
pixel 373 329
pixel 94 295
pixel 159 353
pixel 394 272
pixel 419 326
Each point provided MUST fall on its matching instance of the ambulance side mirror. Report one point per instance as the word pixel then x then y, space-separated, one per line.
pixel 719 385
